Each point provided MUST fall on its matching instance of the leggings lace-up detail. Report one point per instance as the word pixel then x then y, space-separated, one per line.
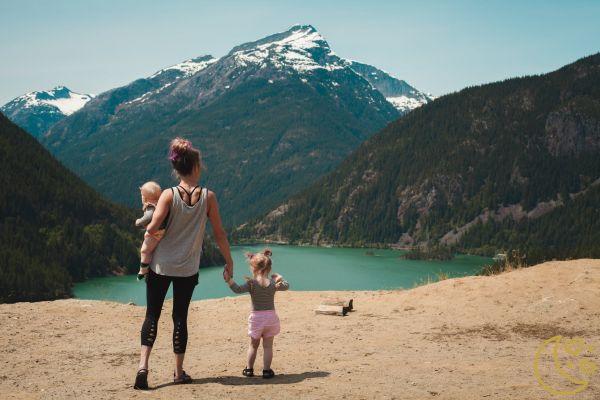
pixel 156 290
pixel 149 332
pixel 180 337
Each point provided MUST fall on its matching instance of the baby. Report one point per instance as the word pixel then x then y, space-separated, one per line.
pixel 263 321
pixel 150 192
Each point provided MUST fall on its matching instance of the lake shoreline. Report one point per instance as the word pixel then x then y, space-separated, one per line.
pixel 388 246
pixel 307 268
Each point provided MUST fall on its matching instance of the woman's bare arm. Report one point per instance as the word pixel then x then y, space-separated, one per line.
pixel 219 232
pixel 161 212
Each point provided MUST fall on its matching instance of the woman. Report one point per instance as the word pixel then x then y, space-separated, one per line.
pixel 177 256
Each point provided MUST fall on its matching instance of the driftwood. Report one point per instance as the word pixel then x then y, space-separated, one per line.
pixel 331 310
pixel 346 303
pixel 335 307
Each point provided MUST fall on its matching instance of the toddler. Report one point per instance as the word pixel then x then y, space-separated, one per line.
pixel 263 321
pixel 150 192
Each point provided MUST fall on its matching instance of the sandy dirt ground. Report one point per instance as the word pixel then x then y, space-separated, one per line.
pixel 466 338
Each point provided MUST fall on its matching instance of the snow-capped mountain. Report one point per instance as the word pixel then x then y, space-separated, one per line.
pixel 271 117
pixel 399 93
pixel 302 49
pixel 37 111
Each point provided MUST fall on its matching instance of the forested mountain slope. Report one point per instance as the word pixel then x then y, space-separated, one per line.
pixel 494 159
pixel 54 229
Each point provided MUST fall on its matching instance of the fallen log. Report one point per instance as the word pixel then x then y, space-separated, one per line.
pixel 347 303
pixel 331 310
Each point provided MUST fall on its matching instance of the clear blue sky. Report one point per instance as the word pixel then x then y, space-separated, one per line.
pixel 438 46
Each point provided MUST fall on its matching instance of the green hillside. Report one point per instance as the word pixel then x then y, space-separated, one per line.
pixel 54 229
pixel 493 159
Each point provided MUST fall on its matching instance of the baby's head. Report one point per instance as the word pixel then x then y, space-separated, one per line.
pixel 260 263
pixel 150 192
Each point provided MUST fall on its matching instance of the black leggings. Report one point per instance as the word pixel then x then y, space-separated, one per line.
pixel 156 290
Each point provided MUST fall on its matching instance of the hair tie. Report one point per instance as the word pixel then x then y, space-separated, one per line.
pixel 173 155
pixel 178 148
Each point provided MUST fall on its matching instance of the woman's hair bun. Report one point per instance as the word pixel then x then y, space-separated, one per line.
pixel 267 252
pixel 184 157
pixel 178 148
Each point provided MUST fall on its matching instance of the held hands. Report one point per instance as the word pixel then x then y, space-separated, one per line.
pixel 227 275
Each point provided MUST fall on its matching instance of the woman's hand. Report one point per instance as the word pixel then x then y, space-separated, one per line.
pixel 219 232
pixel 229 269
pixel 276 277
pixel 226 274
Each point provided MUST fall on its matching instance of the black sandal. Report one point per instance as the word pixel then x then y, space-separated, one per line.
pixel 268 373
pixel 249 372
pixel 141 380
pixel 183 379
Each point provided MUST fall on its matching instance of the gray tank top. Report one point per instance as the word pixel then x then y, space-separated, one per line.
pixel 179 251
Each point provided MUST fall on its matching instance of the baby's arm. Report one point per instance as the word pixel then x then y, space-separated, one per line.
pixel 235 288
pixel 146 218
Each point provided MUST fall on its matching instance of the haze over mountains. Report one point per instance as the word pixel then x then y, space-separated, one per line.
pixel 512 164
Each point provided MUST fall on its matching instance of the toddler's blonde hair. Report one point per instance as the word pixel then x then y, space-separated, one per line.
pixel 151 190
pixel 260 263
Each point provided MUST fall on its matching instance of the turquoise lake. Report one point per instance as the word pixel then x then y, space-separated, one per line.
pixel 306 268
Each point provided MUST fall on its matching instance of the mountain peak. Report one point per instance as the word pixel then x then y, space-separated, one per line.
pixel 60 98
pixel 59 92
pixel 302 27
pixel 37 111
pixel 301 47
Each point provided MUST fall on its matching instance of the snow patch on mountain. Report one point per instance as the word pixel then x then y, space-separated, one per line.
pixel 188 67
pixel 60 99
pixel 296 48
pixel 184 69
pixel 397 92
pixel 406 103
pixel 147 95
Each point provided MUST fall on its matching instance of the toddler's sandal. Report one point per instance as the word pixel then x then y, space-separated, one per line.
pixel 183 379
pixel 268 373
pixel 249 372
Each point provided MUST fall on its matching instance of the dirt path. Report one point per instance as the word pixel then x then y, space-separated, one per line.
pixel 467 338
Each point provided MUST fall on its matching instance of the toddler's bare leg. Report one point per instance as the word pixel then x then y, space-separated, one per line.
pixel 252 349
pixel 268 349
pixel 148 246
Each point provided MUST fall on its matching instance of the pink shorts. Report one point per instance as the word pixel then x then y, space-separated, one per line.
pixel 263 324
